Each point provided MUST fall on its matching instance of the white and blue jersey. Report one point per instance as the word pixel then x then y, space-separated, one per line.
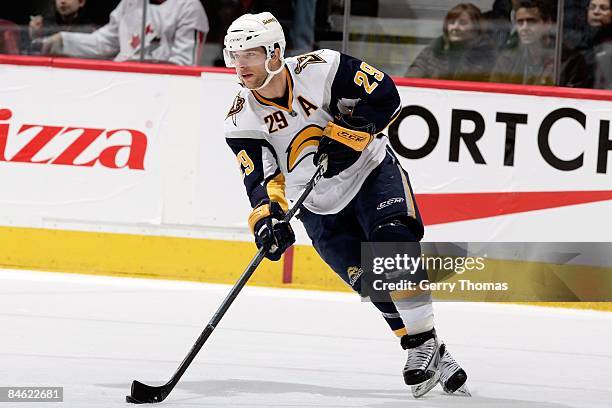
pixel 275 140
pixel 274 143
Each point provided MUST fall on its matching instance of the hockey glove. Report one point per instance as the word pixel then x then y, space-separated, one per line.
pixel 271 232
pixel 343 143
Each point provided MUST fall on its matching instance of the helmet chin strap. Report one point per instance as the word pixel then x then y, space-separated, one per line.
pixel 270 73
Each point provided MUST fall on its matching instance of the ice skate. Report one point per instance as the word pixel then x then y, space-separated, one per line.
pixel 452 377
pixel 421 369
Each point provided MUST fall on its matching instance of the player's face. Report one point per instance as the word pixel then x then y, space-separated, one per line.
pixel 530 25
pixel 461 29
pixel 250 66
pixel 599 13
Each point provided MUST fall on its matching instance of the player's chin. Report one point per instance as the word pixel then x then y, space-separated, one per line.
pixel 251 81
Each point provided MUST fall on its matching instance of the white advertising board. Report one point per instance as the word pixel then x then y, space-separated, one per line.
pixel 80 145
pixel 501 142
pixel 145 153
pixel 502 167
pixel 485 166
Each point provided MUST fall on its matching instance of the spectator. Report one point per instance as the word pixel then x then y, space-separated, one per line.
pixel 174 32
pixel 499 20
pixel 66 15
pixel 598 16
pixel 599 13
pixel 602 55
pixel 531 59
pixel 461 53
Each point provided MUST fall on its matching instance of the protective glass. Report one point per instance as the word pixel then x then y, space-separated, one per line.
pixel 244 58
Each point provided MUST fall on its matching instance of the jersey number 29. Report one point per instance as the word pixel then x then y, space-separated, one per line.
pixel 274 120
pixel 362 79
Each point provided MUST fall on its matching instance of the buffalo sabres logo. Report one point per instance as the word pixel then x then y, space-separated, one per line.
pixel 305 60
pixel 354 272
pixel 237 106
pixel 304 144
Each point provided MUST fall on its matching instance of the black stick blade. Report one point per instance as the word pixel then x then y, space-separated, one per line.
pixel 146 394
pixel 128 398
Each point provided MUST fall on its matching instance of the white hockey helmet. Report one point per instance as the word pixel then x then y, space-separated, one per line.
pixel 251 31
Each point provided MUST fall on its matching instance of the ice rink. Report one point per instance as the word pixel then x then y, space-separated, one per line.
pixel 283 348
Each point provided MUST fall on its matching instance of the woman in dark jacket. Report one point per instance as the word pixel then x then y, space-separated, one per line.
pixel 596 33
pixel 602 59
pixel 461 53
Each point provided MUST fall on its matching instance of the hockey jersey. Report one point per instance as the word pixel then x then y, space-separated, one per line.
pixel 275 144
pixel 175 31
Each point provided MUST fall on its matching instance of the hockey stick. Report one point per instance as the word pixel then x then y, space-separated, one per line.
pixel 142 393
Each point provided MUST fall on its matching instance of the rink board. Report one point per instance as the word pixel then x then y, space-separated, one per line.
pixel 155 191
pixel 158 257
pixel 199 260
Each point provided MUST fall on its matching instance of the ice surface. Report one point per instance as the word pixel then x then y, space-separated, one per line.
pixel 282 348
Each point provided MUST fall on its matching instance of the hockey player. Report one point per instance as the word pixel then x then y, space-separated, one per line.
pixel 289 114
pixel 174 33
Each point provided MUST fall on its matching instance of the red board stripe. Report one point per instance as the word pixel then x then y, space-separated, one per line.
pixel 445 208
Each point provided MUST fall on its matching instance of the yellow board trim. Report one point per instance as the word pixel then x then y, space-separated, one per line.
pixel 199 260
pixel 159 257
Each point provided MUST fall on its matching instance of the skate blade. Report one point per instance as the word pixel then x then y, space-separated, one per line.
pixel 423 388
pixel 463 391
